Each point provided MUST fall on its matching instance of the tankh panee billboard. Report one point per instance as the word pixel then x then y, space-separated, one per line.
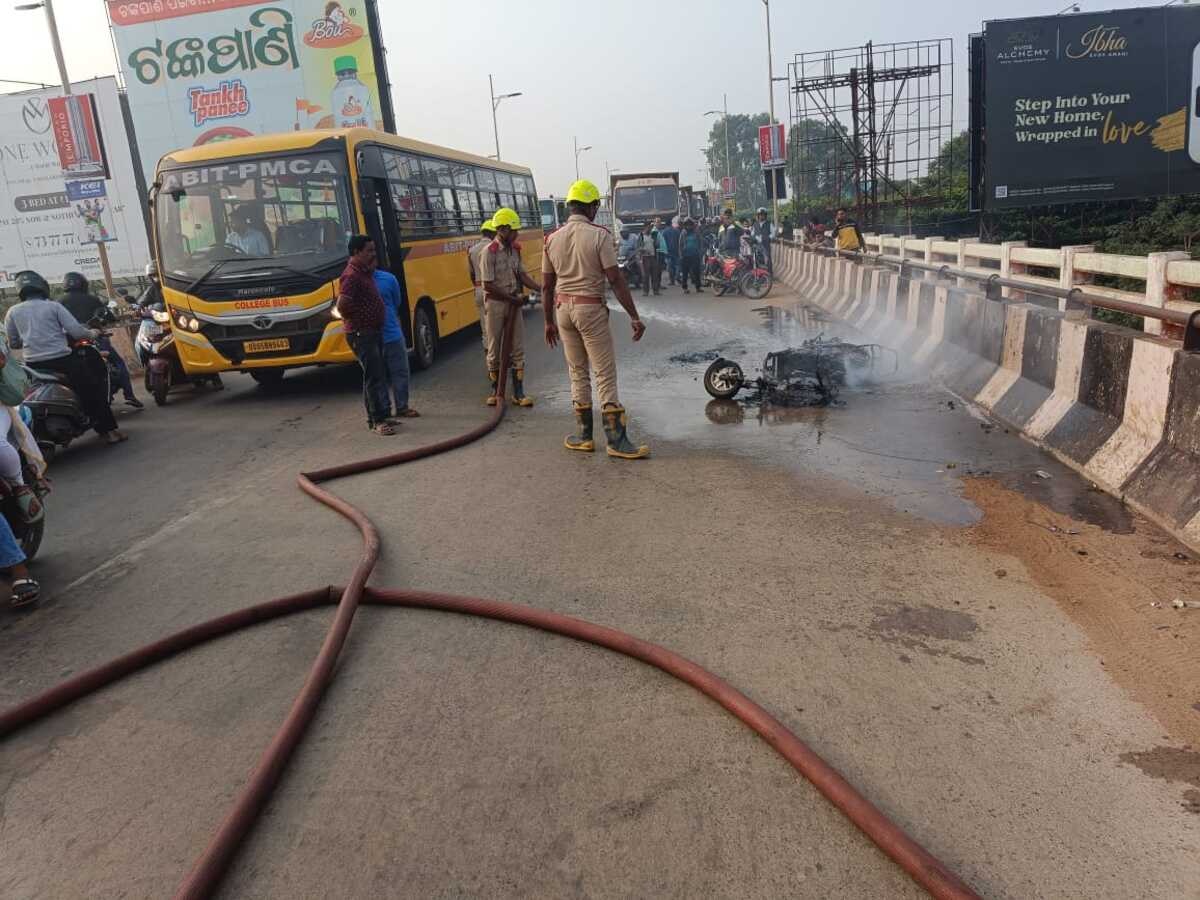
pixel 1097 106
pixel 199 71
pixel 45 218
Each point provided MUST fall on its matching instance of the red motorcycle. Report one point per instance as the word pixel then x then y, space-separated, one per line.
pixel 745 273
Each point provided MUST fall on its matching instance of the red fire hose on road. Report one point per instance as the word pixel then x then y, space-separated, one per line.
pixel 209 868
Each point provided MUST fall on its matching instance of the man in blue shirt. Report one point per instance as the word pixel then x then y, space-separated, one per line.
pixel 395 347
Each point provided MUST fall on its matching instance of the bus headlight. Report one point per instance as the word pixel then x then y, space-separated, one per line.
pixel 186 322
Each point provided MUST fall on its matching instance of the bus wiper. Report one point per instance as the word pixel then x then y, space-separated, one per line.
pixel 215 267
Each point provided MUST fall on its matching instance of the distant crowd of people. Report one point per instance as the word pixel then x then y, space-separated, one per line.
pixel 678 248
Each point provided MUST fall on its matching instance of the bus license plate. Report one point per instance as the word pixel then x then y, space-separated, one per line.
pixel 265 346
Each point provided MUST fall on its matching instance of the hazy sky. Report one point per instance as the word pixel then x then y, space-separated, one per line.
pixel 631 78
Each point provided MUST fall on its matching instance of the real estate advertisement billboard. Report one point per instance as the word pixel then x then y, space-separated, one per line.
pixel 1097 106
pixel 48 210
pixel 211 70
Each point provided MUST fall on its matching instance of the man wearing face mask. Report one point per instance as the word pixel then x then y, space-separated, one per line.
pixel 503 274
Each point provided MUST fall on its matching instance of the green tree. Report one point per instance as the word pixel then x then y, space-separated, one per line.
pixel 743 152
pixel 816 150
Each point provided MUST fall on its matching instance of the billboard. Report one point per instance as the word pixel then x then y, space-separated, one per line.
pixel 772 149
pixel 44 217
pixel 1097 106
pixel 212 70
pixel 76 127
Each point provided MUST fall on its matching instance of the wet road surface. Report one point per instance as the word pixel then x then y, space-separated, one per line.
pixel 1016 703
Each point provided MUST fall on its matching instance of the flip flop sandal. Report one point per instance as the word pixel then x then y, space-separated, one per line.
pixel 29 504
pixel 407 413
pixel 25 592
pixel 385 429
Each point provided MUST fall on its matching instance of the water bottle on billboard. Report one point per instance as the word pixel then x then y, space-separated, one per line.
pixel 351 98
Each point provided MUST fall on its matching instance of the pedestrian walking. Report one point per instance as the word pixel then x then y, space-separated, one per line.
pixel 361 309
pixel 488 233
pixel 395 346
pixel 761 229
pixel 503 274
pixel 648 255
pixel 670 236
pixel 578 262
pixel 690 250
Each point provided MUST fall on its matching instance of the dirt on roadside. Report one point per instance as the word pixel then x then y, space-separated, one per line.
pixel 1118 588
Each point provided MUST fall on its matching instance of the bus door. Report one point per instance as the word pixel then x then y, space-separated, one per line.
pixel 382 225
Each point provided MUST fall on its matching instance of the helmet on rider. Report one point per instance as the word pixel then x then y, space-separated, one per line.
pixel 30 284
pixel 762 211
pixel 152 269
pixel 488 228
pixel 583 191
pixel 506 218
pixel 75 283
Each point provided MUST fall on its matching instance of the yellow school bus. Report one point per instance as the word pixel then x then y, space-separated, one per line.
pixel 250 236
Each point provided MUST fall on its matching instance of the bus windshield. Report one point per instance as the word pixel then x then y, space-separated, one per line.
pixel 292 211
pixel 647 199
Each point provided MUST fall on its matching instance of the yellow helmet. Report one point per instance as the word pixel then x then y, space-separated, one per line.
pixel 506 216
pixel 583 192
pixel 488 225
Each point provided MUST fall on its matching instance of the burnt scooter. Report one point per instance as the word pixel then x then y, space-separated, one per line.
pixel 811 374
pixel 159 356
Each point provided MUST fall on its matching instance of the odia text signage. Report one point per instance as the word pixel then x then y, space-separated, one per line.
pixel 1091 107
pixel 200 72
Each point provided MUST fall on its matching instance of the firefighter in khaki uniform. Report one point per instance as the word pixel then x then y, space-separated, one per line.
pixel 502 274
pixel 488 230
pixel 578 259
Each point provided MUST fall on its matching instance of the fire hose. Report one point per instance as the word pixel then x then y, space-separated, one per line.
pixel 216 858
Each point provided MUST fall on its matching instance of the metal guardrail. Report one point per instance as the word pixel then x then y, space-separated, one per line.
pixel 993 284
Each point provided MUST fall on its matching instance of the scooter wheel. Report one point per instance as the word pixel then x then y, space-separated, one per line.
pixel 159 391
pixel 723 378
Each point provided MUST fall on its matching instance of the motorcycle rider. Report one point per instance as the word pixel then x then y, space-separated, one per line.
pixel 628 249
pixel 729 240
pixel 44 329
pixel 86 307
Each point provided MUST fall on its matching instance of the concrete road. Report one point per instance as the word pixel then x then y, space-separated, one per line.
pixel 974 645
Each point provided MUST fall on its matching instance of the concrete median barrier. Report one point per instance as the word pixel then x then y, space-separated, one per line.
pixel 1122 407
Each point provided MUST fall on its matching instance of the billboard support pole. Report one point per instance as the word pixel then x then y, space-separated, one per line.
pixel 52 25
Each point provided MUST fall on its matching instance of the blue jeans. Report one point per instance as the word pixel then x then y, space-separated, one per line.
pixel 123 380
pixel 10 550
pixel 673 267
pixel 395 357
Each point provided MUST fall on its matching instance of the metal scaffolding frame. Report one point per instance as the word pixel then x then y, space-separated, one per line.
pixel 885 112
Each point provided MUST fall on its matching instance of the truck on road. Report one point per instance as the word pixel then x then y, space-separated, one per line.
pixel 641 197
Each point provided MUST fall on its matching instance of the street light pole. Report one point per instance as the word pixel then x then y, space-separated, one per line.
pixel 495 103
pixel 578 150
pixel 771 97
pixel 724 113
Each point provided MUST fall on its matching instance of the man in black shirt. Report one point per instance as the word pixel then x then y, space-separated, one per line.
pixel 729 241
pixel 86 307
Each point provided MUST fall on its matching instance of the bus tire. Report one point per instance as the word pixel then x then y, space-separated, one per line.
pixel 425 336
pixel 267 378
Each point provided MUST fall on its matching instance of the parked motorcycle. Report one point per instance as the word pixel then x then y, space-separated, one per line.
pixel 155 344
pixel 745 273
